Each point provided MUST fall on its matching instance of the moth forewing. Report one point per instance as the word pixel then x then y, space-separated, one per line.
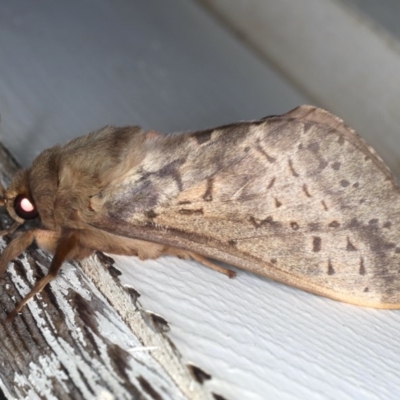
pixel 299 198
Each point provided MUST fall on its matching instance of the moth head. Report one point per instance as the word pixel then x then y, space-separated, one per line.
pixel 17 199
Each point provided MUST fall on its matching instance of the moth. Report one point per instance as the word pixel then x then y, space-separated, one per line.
pixel 298 197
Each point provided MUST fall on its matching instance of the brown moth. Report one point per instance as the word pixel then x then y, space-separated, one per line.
pixel 299 198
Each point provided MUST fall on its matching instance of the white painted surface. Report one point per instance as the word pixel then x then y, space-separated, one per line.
pixel 70 67
pixel 261 339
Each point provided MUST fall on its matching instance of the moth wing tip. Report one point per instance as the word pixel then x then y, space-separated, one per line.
pixel 231 274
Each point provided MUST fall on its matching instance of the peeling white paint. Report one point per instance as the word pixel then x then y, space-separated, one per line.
pixel 85 371
pixel 142 348
pixel 40 374
pixel 105 395
pixel 164 357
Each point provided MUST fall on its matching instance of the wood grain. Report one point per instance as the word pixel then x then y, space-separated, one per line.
pixel 84 336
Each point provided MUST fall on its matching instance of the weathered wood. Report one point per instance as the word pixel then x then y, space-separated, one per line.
pixel 84 336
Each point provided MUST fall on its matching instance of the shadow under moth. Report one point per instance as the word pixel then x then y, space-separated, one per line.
pixel 299 198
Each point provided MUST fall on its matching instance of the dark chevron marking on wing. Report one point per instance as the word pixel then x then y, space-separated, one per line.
pixel 350 246
pixel 265 154
pixel 271 183
pixel 172 169
pixel 305 190
pixel 292 170
pixel 277 203
pixel 184 211
pixel 316 244
pixel 362 267
pixel 331 270
pixel 208 194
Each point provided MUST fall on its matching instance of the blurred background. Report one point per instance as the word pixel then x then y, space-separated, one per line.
pixel 70 67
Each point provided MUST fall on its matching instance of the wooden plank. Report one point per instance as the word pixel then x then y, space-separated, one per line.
pixel 85 336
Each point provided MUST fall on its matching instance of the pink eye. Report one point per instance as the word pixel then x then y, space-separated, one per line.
pixel 24 208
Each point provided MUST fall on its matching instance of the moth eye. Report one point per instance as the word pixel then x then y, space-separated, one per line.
pixel 24 208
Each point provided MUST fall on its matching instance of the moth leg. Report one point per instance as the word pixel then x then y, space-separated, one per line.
pixel 45 239
pixel 15 248
pixel 209 264
pixel 65 247
pixel 172 251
